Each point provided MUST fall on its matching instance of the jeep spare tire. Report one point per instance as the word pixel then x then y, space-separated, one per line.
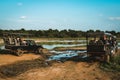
pixel 39 51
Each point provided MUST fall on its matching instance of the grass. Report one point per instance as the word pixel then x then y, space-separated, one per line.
pixel 70 48
pixel 114 65
pixel 51 43
pixel 47 40
pixel 82 38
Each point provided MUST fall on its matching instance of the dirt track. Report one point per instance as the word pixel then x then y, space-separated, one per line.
pixel 29 67
pixel 9 59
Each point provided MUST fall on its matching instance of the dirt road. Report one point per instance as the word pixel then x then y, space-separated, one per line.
pixel 9 59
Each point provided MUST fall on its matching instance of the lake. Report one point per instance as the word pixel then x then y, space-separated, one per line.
pixel 61 45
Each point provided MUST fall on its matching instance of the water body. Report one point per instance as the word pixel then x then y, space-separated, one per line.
pixel 66 41
pixel 64 55
pixel 61 45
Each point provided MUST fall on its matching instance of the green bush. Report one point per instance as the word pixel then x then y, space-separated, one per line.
pixel 114 65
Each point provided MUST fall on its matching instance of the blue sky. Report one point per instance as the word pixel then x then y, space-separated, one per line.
pixel 60 14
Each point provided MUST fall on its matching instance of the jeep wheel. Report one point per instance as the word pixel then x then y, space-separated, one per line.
pixel 39 51
pixel 19 52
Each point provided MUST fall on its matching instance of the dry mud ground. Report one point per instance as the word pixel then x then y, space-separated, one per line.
pixel 33 67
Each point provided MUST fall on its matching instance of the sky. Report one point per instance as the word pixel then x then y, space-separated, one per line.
pixel 60 14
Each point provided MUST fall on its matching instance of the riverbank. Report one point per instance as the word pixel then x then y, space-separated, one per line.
pixel 70 48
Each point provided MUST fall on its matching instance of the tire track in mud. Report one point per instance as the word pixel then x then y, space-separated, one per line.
pixel 17 68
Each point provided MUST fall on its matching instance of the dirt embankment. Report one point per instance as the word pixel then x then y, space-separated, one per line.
pixel 57 71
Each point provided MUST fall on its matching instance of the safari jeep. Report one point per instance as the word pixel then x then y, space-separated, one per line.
pixel 18 46
pixel 101 45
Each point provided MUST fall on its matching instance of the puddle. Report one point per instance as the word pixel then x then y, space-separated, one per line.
pixel 64 55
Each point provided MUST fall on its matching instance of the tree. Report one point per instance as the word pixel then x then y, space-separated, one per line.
pixel 90 31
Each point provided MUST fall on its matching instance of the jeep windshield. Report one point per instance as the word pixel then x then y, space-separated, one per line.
pixel 30 42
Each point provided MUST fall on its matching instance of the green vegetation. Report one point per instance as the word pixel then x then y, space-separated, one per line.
pixel 114 65
pixel 56 33
pixel 118 40
pixel 70 48
pixel 51 43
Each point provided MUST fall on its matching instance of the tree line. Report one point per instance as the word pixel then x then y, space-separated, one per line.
pixel 50 33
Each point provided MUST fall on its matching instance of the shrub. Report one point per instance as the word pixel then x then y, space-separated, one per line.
pixel 114 65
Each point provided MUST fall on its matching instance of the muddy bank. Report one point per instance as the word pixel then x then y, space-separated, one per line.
pixel 69 48
pixel 39 69
pixel 20 67
pixel 68 70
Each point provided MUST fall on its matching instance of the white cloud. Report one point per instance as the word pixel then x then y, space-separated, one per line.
pixel 114 18
pixel 19 4
pixel 23 17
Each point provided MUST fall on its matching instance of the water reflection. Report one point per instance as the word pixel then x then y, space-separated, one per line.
pixel 63 41
pixel 61 45
pixel 64 55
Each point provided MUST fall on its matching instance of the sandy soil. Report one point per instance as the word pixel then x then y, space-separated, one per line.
pixel 70 48
pixel 9 59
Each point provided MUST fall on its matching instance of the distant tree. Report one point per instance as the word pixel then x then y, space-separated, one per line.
pixel 1 31
pixel 112 32
pixel 63 34
pixel 97 31
pixel 118 34
pixel 73 33
pixel 50 33
pixel 90 31
pixel 22 29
